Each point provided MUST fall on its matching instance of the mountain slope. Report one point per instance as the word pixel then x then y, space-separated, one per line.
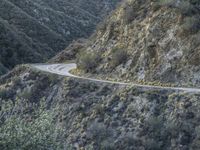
pixel 33 31
pixel 149 41
pixel 93 116
pixel 57 112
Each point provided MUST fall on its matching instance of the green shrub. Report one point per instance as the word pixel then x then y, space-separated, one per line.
pixel 108 144
pixel 100 134
pixel 3 70
pixel 191 24
pixel 3 93
pixel 167 2
pixel 25 94
pixel 88 61
pixel 119 56
pixel 102 26
pixel 24 128
pixel 128 141
pixel 16 81
pixel 129 14
pixel 187 7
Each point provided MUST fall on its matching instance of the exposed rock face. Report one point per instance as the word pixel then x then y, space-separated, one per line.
pixel 35 30
pixel 159 44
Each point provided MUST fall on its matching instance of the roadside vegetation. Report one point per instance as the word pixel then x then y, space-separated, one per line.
pixel 88 61
pixel 118 56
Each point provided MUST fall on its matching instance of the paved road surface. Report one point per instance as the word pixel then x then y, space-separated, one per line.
pixel 64 70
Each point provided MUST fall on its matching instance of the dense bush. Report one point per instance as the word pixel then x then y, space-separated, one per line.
pixel 186 7
pixel 3 70
pixel 190 10
pixel 167 2
pixel 191 24
pixel 88 61
pixel 129 14
pixel 102 135
pixel 25 126
pixel 119 56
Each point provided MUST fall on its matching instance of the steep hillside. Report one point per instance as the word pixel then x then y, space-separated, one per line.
pixel 57 112
pixel 139 42
pixel 32 31
pixel 148 41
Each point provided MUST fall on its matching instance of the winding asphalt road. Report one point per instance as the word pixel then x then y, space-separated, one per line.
pixel 64 70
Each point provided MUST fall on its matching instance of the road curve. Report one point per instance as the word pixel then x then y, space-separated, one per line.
pixel 64 70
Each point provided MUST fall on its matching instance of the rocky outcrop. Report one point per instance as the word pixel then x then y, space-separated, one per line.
pixel 161 42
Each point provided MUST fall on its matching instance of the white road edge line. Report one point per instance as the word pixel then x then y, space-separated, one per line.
pixel 64 70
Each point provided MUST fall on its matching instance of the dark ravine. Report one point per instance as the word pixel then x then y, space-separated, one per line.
pixel 34 31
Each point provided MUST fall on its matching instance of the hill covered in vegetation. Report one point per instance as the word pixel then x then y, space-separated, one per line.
pixel 35 30
pixel 143 40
